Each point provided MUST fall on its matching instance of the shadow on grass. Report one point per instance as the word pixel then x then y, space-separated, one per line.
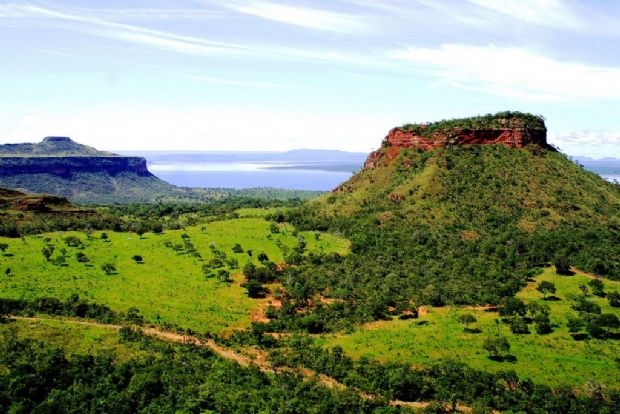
pixel 503 358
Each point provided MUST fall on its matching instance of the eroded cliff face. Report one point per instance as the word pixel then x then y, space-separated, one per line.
pixel 66 167
pixel 513 135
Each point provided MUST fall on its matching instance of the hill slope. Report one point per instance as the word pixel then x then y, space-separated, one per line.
pixel 463 215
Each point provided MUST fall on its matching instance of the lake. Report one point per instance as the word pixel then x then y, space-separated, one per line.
pixel 249 175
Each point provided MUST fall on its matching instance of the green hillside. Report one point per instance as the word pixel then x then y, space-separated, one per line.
pixel 458 225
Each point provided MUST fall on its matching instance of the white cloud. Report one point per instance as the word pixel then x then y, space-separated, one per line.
pixel 516 72
pixel 552 13
pixel 178 43
pixel 310 18
pixel 591 143
pixel 125 129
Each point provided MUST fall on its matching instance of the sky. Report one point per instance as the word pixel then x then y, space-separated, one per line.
pixel 324 74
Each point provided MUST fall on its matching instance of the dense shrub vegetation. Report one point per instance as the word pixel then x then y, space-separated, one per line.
pixel 40 378
pixel 499 120
pixel 461 231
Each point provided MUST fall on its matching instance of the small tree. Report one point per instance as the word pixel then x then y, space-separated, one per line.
pixel 237 248
pixel 562 266
pixel 574 324
pixel 519 326
pixel 82 258
pixel 614 299
pixel 546 287
pixel 543 324
pixel 262 257
pixel 496 346
pixel 3 247
pixel 224 275
pixel 73 241
pixel 466 319
pixel 597 286
pixel 108 268
pixel 512 307
pixel 254 289
pixel 137 258
pixel 47 252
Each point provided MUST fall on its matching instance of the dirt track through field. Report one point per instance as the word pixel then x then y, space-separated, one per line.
pixel 259 358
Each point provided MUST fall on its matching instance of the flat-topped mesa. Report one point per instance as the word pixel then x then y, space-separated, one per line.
pixel 63 157
pixel 511 129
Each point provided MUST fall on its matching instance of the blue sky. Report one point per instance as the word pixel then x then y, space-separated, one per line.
pixel 267 75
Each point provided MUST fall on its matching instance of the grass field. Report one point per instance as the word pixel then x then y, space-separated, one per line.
pixel 169 286
pixel 75 339
pixel 553 359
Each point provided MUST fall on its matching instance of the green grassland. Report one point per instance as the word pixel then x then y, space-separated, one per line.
pixel 553 359
pixel 74 338
pixel 170 285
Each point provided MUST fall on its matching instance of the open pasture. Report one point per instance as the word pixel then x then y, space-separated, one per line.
pixel 169 284
pixel 553 359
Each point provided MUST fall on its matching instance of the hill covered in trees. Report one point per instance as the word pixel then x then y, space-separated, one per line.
pixel 447 219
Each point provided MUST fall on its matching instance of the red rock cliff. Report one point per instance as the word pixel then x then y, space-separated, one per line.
pixel 512 134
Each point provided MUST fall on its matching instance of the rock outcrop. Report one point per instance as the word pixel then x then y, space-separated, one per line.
pixel 516 130
pixel 62 167
pixel 67 167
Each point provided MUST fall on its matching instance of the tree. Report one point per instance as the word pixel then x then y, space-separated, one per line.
pixel 237 248
pixel 108 268
pixel 73 241
pixel 137 258
pixel 262 257
pixel 496 346
pixel 614 299
pixel 535 308
pixel 249 271
pixel 512 307
pixel 47 252
pixel 224 275
pixel 466 319
pixel 597 286
pixel 574 324
pixel 543 324
pixel 81 257
pixel 562 266
pixel 3 247
pixel 254 289
pixel 519 326
pixel 133 316
pixel 545 287
pixel 59 261
pixel 582 304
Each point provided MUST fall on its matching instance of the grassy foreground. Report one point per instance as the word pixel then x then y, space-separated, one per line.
pixel 169 285
pixel 553 359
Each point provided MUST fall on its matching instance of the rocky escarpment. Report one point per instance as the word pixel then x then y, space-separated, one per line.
pixel 83 174
pixel 510 129
pixel 67 167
